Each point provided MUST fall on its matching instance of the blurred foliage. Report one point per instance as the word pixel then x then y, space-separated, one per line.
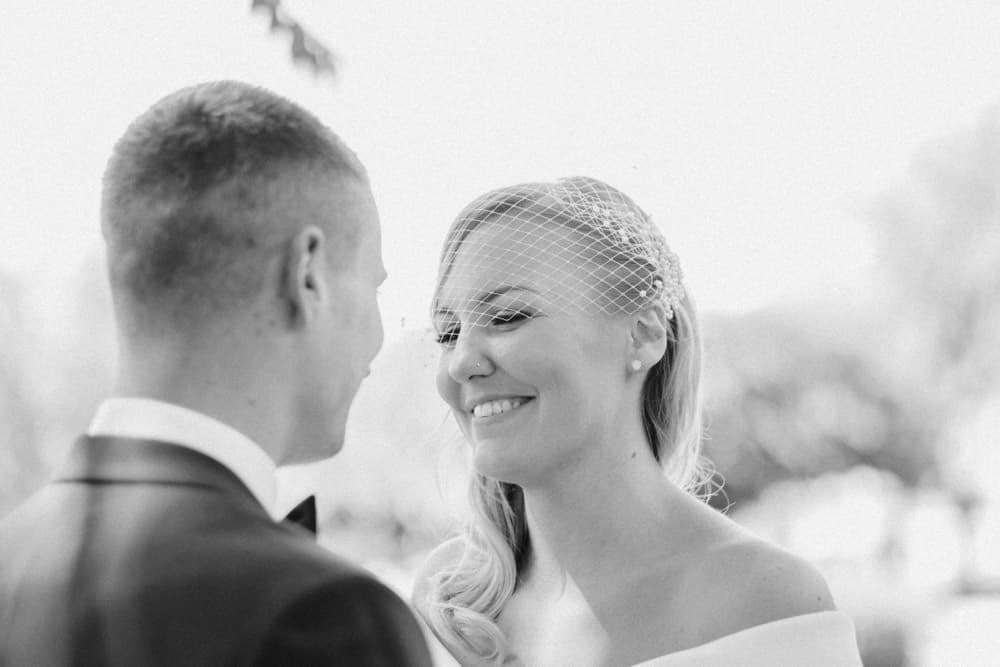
pixel 306 48
pixel 791 393
pixel 879 380
pixel 939 233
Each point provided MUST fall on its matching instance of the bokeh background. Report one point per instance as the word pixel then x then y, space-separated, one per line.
pixel 828 172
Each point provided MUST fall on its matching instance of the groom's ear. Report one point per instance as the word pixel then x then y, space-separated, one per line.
pixel 304 278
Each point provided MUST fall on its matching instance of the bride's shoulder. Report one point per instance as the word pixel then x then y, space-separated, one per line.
pixel 749 582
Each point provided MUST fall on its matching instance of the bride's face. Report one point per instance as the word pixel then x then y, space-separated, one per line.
pixel 535 378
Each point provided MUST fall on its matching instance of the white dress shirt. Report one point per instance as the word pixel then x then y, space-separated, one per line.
pixel 149 419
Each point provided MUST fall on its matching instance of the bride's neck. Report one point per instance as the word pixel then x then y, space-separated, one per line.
pixel 587 523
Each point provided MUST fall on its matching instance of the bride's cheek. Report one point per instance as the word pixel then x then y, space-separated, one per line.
pixel 443 382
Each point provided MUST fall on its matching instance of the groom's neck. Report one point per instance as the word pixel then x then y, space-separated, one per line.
pixel 221 382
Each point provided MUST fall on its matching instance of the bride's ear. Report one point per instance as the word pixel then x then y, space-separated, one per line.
pixel 648 332
pixel 304 276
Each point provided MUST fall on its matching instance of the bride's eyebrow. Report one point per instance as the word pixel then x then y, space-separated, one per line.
pixel 482 299
pixel 491 295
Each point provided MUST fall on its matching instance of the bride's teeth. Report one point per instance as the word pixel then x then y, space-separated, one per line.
pixel 496 407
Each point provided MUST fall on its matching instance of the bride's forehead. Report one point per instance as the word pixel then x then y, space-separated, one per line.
pixel 515 234
pixel 540 256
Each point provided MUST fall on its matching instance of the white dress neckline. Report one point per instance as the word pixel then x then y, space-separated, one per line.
pixel 819 639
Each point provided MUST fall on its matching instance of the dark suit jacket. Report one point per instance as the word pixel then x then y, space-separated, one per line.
pixel 147 553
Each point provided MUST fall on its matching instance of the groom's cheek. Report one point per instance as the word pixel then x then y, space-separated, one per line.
pixel 379 333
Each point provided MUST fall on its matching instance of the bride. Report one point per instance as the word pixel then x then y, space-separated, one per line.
pixel 571 359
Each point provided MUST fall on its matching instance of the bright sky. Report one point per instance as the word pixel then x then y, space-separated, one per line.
pixel 755 132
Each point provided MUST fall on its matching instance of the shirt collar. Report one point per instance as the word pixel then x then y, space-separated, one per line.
pixel 150 419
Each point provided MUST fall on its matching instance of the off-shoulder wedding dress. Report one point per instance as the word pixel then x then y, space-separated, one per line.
pixel 821 639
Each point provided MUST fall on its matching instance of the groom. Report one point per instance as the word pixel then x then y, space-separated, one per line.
pixel 244 254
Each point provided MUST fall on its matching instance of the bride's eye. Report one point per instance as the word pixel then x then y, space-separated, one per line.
pixel 508 316
pixel 448 336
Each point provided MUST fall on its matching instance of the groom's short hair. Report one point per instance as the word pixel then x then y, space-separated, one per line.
pixel 185 204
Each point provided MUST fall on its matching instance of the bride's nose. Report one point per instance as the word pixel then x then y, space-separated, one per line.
pixel 469 357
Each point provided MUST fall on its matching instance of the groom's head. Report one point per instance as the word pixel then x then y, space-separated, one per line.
pixel 241 233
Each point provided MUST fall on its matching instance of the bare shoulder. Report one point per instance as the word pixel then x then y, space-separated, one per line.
pixel 781 583
pixel 441 558
pixel 751 582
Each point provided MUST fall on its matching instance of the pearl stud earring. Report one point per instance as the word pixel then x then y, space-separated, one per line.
pixel 636 364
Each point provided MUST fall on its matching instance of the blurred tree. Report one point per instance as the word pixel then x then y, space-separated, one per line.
pixel 940 239
pixel 879 381
pixel 306 48
pixel 796 392
pixel 939 234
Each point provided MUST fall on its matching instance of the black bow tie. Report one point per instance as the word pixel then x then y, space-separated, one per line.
pixel 304 514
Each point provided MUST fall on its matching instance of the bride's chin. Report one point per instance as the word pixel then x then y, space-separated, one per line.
pixel 497 462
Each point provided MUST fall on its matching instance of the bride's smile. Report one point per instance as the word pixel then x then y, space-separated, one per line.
pixel 496 407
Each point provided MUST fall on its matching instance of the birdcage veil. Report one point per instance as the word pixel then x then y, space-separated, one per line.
pixel 601 246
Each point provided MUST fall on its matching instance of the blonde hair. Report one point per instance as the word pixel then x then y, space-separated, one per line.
pixel 464 599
